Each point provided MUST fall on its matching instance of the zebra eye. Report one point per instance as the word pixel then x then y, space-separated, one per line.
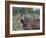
pixel 21 21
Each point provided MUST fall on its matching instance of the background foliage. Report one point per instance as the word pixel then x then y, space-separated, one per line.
pixel 25 10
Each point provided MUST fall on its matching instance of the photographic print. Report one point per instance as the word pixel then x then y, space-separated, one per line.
pixel 25 19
